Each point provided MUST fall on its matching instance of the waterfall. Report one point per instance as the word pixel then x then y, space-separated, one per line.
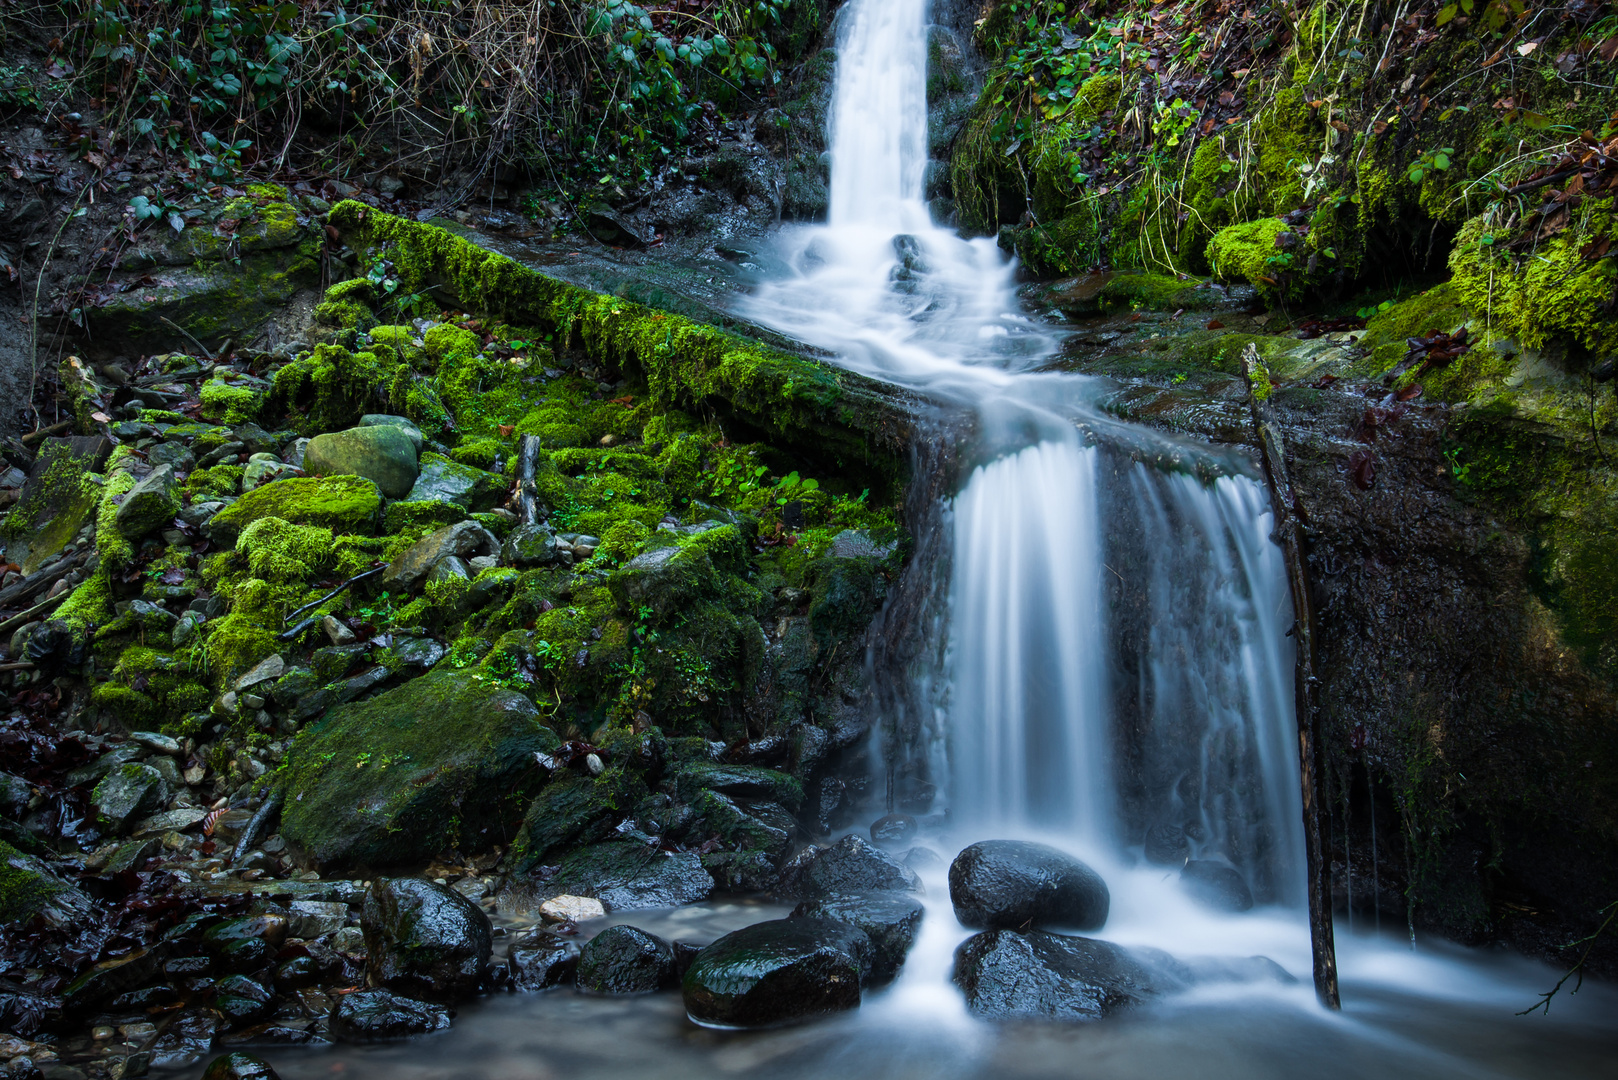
pixel 1060 717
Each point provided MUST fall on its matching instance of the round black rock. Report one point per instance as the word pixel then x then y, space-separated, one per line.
pixel 424 939
pixel 777 972
pixel 889 920
pixel 376 1015
pixel 626 960
pixel 1215 885
pixel 1017 885
pixel 239 1066
pixel 894 830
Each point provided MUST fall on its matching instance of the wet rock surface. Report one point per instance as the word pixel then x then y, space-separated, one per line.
pixel 778 972
pixel 381 1016
pixel 1036 975
pixel 889 920
pixel 851 865
pixel 626 960
pixel 424 939
pixel 1215 885
pixel 1015 884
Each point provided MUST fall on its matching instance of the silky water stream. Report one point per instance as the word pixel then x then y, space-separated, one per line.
pixel 1159 729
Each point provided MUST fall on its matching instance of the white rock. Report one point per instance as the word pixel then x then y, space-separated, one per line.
pixel 571 909
pixel 339 634
pixel 272 668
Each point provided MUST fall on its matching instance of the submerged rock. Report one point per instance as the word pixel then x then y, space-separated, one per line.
pixel 383 454
pixel 377 1015
pixel 626 960
pixel 424 939
pixel 239 1066
pixel 851 865
pixel 1009 975
pixel 431 764
pixel 1216 886
pixel 777 972
pixel 890 920
pixel 1016 885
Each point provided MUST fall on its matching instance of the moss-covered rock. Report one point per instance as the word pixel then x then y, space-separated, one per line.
pixel 446 760
pixel 383 454
pixel 25 886
pixel 57 501
pixel 344 504
pixel 573 810
pixel 445 481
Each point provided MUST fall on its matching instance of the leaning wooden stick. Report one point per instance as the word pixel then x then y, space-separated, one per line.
pixel 1305 683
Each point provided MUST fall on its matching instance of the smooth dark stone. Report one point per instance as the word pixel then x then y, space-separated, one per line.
pixel 543 962
pixel 424 939
pixel 240 1000
pixel 849 866
pixel 889 920
pixel 1216 886
pixel 1014 884
pixel 1007 975
pixel 894 830
pixel 777 972
pixel 376 1015
pixel 626 960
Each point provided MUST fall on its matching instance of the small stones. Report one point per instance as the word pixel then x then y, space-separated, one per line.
pixel 571 909
pixel 336 631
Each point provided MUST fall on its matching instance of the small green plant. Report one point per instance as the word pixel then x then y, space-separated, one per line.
pixel 143 209
pixel 1430 162
pixel 15 90
pixel 1457 468
pixel 791 486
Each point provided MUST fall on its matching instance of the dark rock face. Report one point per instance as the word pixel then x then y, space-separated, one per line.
pixel 545 962
pixel 851 865
pixel 633 877
pixel 1216 885
pixel 626 960
pixel 889 920
pixel 239 1066
pixel 1037 975
pixel 424 939
pixel 460 758
pixel 777 972
pixel 1014 884
pixel 894 830
pixel 376 1015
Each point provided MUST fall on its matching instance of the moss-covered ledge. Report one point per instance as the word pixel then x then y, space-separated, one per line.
pixel 811 406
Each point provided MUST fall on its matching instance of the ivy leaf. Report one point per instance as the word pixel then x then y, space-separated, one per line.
pixel 1446 13
pixel 1416 174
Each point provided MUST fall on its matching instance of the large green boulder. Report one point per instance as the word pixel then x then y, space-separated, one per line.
pixel 343 504
pixel 664 579
pixel 383 453
pixel 443 480
pixel 57 501
pixel 446 760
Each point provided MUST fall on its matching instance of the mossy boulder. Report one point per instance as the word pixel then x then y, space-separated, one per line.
pixel 446 760
pixel 57 501
pixel 25 886
pixel 664 580
pixel 445 481
pixel 574 809
pixel 1248 252
pixel 383 454
pixel 344 504
pixel 129 792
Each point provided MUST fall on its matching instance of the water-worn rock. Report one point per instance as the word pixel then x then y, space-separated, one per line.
pixel 241 1000
pixel 543 962
pixel 1016 884
pixel 1008 975
pixel 401 423
pixel 777 972
pixel 239 1065
pixel 851 865
pixel 424 939
pixel 888 919
pixel 128 793
pixel 383 454
pixel 444 481
pixel 1216 886
pixel 629 876
pixel 569 908
pixel 626 960
pixel 150 504
pixel 530 545
pixel 893 830
pixel 377 1015
pixel 464 540
pixel 431 764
